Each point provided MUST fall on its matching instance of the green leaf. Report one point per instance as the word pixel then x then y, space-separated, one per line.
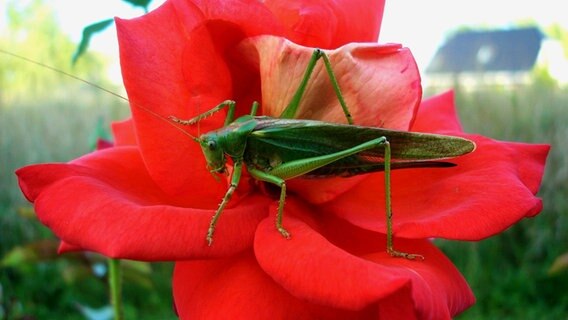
pixel 26 212
pixel 139 3
pixel 88 32
pixel 41 250
pixel 559 265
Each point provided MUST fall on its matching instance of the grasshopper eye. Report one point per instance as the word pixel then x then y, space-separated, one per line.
pixel 212 145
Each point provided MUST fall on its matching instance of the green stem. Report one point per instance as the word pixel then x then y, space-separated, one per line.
pixel 115 284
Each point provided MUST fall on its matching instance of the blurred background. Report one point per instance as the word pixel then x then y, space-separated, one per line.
pixel 507 62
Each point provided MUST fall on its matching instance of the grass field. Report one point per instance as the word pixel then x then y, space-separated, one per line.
pixel 509 273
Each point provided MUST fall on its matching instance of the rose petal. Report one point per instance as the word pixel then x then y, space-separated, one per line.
pixel 318 191
pixel 488 191
pixel 171 83
pixel 65 247
pixel 310 268
pixel 106 202
pixel 124 132
pixel 251 17
pixel 156 88
pixel 380 83
pixel 329 24
pixel 212 44
pixel 437 114
pixel 213 289
pixel 345 267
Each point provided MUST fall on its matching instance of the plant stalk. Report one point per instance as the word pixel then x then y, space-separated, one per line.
pixel 115 285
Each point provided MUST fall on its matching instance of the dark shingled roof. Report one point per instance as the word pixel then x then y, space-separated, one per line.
pixel 496 50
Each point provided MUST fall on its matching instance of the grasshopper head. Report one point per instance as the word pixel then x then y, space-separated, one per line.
pixel 214 154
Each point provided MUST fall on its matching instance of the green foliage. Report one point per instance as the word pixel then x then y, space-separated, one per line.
pixel 31 31
pixel 100 26
pixel 139 3
pixel 88 33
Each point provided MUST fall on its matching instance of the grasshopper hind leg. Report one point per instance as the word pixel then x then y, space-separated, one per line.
pixel 390 248
pixel 290 110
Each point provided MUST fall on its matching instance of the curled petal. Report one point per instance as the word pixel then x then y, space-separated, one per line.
pixel 106 202
pixel 380 83
pixel 488 191
pixel 329 24
pixel 342 266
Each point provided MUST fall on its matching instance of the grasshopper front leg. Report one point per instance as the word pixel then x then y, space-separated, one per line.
pixel 235 178
pixel 263 176
pixel 230 114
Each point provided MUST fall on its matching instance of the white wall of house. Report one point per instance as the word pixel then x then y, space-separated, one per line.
pixel 553 58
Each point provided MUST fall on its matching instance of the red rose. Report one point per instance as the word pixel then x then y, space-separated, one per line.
pixel 151 198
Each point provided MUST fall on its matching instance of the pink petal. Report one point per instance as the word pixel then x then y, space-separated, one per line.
pixel 380 83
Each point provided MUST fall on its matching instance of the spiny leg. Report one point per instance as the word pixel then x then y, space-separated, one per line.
pixel 237 169
pixel 297 168
pixel 267 177
pixel 290 111
pixel 388 210
pixel 280 214
pixel 219 107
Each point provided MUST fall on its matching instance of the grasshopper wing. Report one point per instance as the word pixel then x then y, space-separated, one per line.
pixel 276 141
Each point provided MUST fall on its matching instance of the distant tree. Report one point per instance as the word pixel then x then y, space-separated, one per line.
pixel 30 30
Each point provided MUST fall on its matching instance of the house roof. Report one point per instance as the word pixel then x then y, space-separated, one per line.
pixel 488 50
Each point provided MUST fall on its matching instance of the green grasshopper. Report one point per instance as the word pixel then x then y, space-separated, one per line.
pixel 275 150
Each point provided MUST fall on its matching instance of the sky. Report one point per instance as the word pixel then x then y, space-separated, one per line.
pixel 423 25
pixel 420 25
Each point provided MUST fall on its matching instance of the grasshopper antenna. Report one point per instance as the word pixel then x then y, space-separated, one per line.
pixel 103 89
